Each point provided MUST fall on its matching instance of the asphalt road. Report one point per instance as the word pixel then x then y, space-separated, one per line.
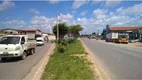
pixel 18 69
pixel 122 62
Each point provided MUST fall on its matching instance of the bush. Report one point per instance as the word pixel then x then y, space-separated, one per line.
pixel 62 42
pixel 72 40
pixel 61 48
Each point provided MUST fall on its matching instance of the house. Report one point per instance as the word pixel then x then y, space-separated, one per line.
pixel 133 32
pixel 31 33
pixel 11 31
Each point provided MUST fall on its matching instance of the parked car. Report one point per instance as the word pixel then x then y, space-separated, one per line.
pixel 12 46
pixel 39 41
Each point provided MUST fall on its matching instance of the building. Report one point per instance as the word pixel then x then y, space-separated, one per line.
pixel 31 33
pixel 133 32
pixel 11 31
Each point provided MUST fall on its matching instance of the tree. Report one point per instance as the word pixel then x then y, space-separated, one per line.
pixel 103 34
pixel 63 29
pixel 75 29
pixel 94 33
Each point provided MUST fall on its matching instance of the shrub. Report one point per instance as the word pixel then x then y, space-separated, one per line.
pixel 64 43
pixel 72 40
pixel 61 48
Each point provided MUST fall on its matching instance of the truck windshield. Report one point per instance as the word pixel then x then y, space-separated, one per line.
pixel 123 36
pixel 10 40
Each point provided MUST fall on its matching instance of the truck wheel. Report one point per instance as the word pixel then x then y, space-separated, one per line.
pixel 32 51
pixel 3 59
pixel 23 56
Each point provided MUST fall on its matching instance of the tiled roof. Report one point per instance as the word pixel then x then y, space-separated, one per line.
pixel 32 30
pixel 124 28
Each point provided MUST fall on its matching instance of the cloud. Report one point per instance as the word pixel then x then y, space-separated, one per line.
pixel 6 5
pixel 133 10
pixel 100 13
pixel 14 23
pixel 66 17
pixel 112 3
pixel 83 13
pixel 79 3
pixel 53 1
pixel 96 1
pixel 34 11
pixel 45 24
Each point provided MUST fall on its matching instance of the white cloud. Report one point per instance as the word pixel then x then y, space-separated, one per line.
pixel 135 10
pixel 14 23
pixel 53 1
pixel 100 13
pixel 65 18
pixel 74 11
pixel 112 3
pixel 45 24
pixel 34 11
pixel 6 5
pixel 79 3
pixel 96 1
pixel 83 13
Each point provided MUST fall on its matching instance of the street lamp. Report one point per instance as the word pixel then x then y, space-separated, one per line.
pixel 57 28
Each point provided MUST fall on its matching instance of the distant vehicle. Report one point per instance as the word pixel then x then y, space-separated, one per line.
pixel 93 37
pixel 117 37
pixel 16 46
pixel 39 41
pixel 45 36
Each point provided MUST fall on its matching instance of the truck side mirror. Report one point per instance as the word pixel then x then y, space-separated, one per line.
pixel 22 42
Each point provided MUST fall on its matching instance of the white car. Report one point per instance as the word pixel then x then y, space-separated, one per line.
pixel 39 41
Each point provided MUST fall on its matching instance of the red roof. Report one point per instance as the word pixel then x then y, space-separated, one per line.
pixel 30 30
pixel 124 28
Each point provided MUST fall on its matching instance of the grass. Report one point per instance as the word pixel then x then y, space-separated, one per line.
pixel 65 66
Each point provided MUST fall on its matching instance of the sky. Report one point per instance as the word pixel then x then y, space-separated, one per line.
pixel 92 15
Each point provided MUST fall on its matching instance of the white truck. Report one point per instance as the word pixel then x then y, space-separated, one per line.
pixel 117 37
pixel 16 46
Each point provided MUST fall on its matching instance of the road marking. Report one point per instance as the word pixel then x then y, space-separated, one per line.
pixel 96 69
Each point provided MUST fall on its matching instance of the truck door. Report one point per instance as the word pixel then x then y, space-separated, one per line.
pixel 23 45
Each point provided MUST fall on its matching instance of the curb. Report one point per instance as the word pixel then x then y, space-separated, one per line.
pixel 38 69
pixel 96 70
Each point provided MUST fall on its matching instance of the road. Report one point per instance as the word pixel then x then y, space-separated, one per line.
pixel 118 62
pixel 18 69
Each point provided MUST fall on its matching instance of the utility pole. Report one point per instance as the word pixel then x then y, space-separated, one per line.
pixel 57 28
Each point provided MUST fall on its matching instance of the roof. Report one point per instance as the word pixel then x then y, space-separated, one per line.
pixel 32 30
pixel 124 28
pixel 11 29
pixel 27 30
pixel 16 35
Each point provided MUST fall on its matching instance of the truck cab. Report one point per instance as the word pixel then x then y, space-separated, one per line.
pixel 15 46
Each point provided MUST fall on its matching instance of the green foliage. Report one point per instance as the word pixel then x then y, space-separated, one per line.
pixel 61 48
pixel 63 29
pixel 65 66
pixel 72 40
pixel 103 34
pixel 94 33
pixel 63 42
pixel 75 29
